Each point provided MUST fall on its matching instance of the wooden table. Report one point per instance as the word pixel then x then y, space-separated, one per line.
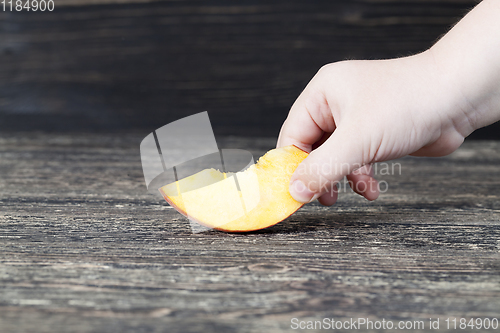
pixel 84 247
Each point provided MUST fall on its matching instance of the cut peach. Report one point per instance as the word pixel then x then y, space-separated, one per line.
pixel 253 199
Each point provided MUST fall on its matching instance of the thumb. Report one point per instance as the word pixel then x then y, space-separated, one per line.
pixel 320 172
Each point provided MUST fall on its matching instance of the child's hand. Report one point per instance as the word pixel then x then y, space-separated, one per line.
pixel 362 112
pixel 377 111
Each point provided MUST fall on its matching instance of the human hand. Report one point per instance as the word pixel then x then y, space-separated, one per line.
pixel 355 113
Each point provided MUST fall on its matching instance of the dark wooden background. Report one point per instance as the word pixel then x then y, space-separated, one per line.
pixel 85 248
pixel 96 65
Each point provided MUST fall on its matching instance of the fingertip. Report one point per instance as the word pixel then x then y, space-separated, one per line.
pixel 284 141
pixel 302 193
pixel 372 192
pixel 365 186
pixel 329 198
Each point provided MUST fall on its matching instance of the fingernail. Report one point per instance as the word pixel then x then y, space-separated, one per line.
pixel 301 193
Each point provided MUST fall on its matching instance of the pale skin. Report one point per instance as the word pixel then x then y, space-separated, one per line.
pixel 355 113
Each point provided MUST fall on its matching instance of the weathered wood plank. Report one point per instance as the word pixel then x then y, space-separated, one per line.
pixel 141 65
pixel 84 248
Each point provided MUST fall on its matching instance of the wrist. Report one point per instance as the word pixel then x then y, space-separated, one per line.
pixel 468 58
pixel 457 111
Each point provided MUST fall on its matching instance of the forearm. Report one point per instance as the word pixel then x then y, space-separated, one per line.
pixel 468 59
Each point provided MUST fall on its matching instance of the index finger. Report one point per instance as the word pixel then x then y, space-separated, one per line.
pixel 309 119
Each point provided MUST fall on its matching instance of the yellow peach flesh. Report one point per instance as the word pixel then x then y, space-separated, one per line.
pixel 250 200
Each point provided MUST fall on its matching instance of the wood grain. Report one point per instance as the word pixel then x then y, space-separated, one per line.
pixel 84 248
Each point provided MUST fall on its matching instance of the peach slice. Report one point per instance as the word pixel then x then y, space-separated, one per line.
pixel 253 199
